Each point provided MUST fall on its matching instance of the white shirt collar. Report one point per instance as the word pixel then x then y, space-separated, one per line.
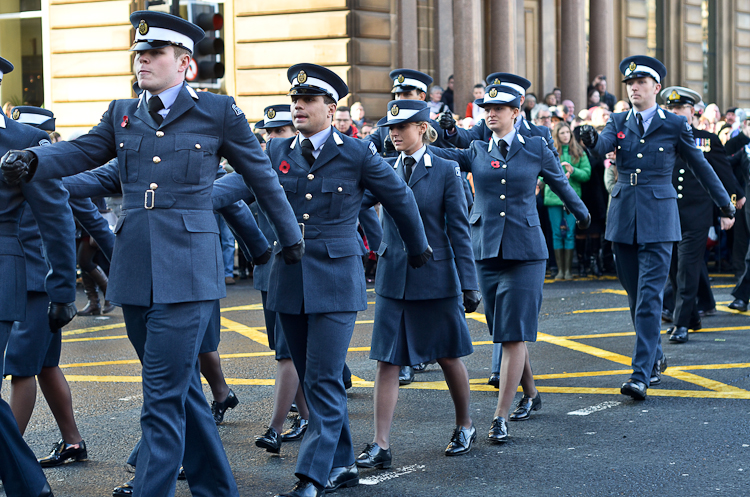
pixel 318 140
pixel 417 156
pixel 2 120
pixel 167 97
pixel 507 138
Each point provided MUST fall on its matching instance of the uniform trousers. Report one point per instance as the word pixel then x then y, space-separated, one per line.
pixel 706 300
pixel 685 273
pixel 643 270
pixel 19 471
pixel 167 338
pixel 318 344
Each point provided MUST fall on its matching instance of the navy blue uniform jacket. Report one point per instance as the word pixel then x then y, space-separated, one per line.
pixel 438 190
pixel 171 253
pixel 463 137
pixel 644 202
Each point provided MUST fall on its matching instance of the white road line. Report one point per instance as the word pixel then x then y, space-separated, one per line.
pixel 404 470
pixel 598 407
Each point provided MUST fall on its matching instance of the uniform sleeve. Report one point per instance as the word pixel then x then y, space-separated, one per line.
pixel 229 189
pixel 463 157
pixel 558 183
pixel 242 150
pixel 99 182
pixel 607 139
pixel 697 163
pixel 457 224
pixel 376 139
pixel 737 143
pixel 370 222
pixel 717 157
pixel 550 142
pixel 462 138
pixel 242 223
pixel 94 223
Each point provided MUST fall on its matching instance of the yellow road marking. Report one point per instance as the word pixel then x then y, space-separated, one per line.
pixel 93 329
pixel 91 339
pixel 724 308
pixel 252 333
pixel 250 307
pixel 610 309
pixel 613 291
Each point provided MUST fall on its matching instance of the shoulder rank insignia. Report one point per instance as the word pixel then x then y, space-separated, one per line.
pixel 44 142
pixel 458 171
pixel 373 149
pixel 237 110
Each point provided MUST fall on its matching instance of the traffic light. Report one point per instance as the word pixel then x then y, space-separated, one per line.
pixel 207 67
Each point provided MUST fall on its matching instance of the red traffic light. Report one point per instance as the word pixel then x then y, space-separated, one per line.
pixel 210 21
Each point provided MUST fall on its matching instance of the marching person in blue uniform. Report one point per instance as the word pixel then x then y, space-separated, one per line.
pixel 508 243
pixel 418 315
pixel 696 215
pixel 643 221
pixel 168 143
pixel 19 470
pixel 324 175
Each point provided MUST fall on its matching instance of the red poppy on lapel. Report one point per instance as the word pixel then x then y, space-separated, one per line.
pixel 284 167
pixel 620 135
pixel 495 164
pixel 125 123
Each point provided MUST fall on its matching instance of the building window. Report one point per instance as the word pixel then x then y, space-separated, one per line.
pixel 655 35
pixel 21 44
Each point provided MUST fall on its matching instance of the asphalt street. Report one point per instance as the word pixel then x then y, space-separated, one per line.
pixel 690 437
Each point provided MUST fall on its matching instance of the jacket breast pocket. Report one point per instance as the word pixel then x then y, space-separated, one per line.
pixel 195 157
pixel 533 220
pixel 665 192
pixel 128 157
pixel 200 223
pixel 616 190
pixel 335 192
pixel 290 186
pixel 344 248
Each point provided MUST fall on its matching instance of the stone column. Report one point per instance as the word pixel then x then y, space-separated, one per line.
pixel 503 21
pixel 548 49
pixel 407 35
pixel 573 52
pixel 467 50
pixel 443 40
pixel 602 42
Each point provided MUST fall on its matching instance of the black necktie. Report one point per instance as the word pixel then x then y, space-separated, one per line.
pixel 639 122
pixel 154 106
pixel 504 148
pixel 408 167
pixel 307 151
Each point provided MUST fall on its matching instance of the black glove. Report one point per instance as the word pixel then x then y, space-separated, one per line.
pixel 589 136
pixel 293 254
pixel 60 314
pixel 263 259
pixel 17 165
pixel 420 260
pixel 728 211
pixel 447 122
pixel 388 145
pixel 472 298
pixel 585 223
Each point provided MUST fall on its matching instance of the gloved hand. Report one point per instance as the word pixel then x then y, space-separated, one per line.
pixel 60 314
pixel 293 254
pixel 585 223
pixel 388 145
pixel 420 260
pixel 447 122
pixel 263 259
pixel 728 211
pixel 472 298
pixel 589 136
pixel 17 165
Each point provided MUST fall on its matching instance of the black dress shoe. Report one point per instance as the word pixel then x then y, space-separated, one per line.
pixel 461 441
pixel 124 490
pixel 46 491
pixel 63 452
pixel 294 407
pixel 494 380
pixel 418 368
pixel 708 313
pixel 406 375
pixel 374 457
pixel 666 316
pixel 634 388
pixel 525 406
pixel 181 475
pixel 219 408
pixel 738 305
pixel 343 476
pixel 296 432
pixel 271 441
pixel 304 489
pixel 659 368
pixel 679 335
pixel 498 430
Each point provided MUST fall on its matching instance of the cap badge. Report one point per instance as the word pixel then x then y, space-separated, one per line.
pixel 493 93
pixel 401 79
pixel 293 92
pixel 16 114
pixel 142 27
pixel 496 81
pixel 394 110
pixel 674 95
pixel 631 67
pixel 271 113
pixel 301 77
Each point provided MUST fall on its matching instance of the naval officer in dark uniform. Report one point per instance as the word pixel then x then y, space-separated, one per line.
pixel 324 175
pixel 696 214
pixel 167 268
pixel 19 470
pixel 643 221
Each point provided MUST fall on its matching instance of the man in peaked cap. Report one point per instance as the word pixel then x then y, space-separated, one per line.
pixel 324 174
pixel 696 215
pixel 19 470
pixel 277 121
pixel 643 221
pixel 168 143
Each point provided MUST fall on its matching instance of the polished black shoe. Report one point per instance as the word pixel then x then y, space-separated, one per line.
pixel 218 409
pixel 406 375
pixel 708 313
pixel 679 335
pixel 494 380
pixel 124 490
pixel 738 305
pixel 181 475
pixel 525 406
pixel 296 432
pixel 46 491
pixel 659 368
pixel 418 368
pixel 271 441
pixel 634 388
pixel 343 476
pixel 63 452
pixel 293 408
pixel 461 441
pixel 374 457
pixel 304 489
pixel 498 430
pixel 666 316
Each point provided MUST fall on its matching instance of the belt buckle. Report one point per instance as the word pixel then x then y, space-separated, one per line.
pixel 146 203
pixel 633 179
pixel 302 229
